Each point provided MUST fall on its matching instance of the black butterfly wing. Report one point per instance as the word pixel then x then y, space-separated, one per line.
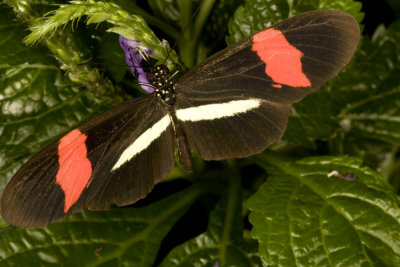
pixel 129 171
pixel 235 135
pixel 63 177
pixel 240 98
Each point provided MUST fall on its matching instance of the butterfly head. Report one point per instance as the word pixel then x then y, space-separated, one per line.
pixel 164 87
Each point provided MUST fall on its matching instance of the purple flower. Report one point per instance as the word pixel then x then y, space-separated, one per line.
pixel 134 60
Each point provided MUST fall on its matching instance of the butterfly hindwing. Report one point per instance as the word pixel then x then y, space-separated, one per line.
pixel 277 66
pixel 233 128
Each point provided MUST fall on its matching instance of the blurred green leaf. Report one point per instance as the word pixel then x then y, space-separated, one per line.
pixel 216 27
pixel 110 56
pixel 301 216
pixel 394 177
pixel 377 90
pixel 168 10
pixel 395 5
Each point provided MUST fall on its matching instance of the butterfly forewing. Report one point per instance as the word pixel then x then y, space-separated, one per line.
pixel 31 198
pixel 57 180
pixel 128 172
pixel 328 40
pixel 278 66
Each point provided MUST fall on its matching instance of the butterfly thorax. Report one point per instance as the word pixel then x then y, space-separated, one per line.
pixel 164 87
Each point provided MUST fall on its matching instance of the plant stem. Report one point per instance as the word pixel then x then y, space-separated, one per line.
pixel 201 19
pixel 231 217
pixel 189 44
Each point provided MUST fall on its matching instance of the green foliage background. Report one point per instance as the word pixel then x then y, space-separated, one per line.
pixel 278 208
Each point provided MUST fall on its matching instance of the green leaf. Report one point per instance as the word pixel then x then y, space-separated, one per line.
pixel 301 216
pixel 223 242
pixel 216 26
pixel 168 10
pixel 394 176
pixel 119 237
pixel 209 28
pixel 376 154
pixel 256 15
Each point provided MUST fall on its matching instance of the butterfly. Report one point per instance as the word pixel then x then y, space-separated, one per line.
pixel 234 104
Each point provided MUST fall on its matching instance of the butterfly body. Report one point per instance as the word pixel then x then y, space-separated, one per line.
pixel 164 87
pixel 233 105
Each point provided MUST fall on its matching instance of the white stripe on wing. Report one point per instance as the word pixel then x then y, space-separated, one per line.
pixel 217 111
pixel 143 141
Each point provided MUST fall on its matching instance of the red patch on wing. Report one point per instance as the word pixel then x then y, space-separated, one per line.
pixel 282 59
pixel 75 168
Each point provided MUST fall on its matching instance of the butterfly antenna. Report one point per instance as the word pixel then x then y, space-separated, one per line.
pixel 107 63
pixel 183 31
